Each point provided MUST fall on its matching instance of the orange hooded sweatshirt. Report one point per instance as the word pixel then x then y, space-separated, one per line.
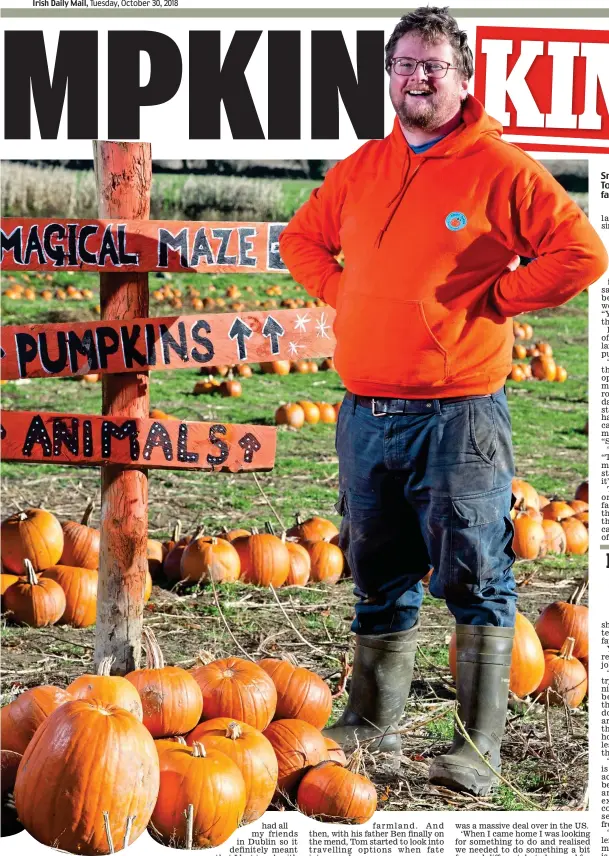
pixel 424 302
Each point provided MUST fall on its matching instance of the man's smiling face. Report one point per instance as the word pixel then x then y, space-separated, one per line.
pixel 421 102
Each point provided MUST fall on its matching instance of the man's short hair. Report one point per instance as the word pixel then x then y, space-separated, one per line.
pixel 433 23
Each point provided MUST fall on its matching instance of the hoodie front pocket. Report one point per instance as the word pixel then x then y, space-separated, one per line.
pixel 388 341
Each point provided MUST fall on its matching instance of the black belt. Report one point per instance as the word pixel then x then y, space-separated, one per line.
pixel 400 406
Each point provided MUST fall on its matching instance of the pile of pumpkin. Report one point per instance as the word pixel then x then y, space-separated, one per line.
pixel 307 552
pixel 549 660
pixel 543 526
pixel 542 365
pixel 233 298
pixel 189 754
pixel 295 414
pixel 18 291
pixel 49 569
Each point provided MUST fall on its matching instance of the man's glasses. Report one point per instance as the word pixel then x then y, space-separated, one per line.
pixel 434 69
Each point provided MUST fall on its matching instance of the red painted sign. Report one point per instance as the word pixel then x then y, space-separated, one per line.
pixel 53 244
pixel 547 87
pixel 83 440
pixel 186 342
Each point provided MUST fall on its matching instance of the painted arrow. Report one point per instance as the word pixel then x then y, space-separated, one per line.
pixel 273 330
pixel 240 331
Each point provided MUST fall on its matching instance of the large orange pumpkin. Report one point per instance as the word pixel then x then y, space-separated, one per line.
pixel 210 558
pixel 312 529
pixel 560 620
pixel 291 415
pixel 529 537
pixel 264 559
pixel 298 746
pixel 338 794
pixel 34 534
pixel 35 601
pixel 211 783
pixel 525 494
pixel 108 689
pixel 80 588
pixel 23 716
pixel 251 752
pixel 335 752
pixel 327 561
pixel 556 540
pixel 557 510
pixel 300 564
pixel 576 535
pixel 7 580
pixel 565 679
pixel 527 668
pixel 171 698
pixel 238 689
pixel 87 763
pixel 301 694
pixel 80 542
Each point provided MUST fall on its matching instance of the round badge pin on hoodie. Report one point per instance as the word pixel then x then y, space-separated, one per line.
pixel 455 221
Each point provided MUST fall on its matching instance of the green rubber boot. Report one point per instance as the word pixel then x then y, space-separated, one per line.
pixel 380 686
pixel 484 655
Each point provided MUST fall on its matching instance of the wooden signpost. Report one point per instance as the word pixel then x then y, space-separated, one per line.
pixel 123 246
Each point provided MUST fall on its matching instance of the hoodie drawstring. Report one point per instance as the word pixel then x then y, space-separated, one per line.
pixel 395 202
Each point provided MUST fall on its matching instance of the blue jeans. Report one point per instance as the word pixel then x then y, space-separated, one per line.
pixel 429 488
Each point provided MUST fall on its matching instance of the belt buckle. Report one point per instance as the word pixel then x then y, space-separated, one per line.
pixel 374 413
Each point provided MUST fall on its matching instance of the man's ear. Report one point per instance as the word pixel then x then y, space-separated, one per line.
pixel 464 93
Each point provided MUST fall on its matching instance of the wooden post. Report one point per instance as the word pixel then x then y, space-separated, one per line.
pixel 124 176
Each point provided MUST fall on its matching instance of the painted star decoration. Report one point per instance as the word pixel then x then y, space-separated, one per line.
pixel 322 327
pixel 301 322
pixel 293 348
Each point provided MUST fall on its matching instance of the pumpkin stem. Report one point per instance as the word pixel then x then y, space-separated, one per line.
pixel 198 750
pixel 190 819
pixel 30 572
pixel 269 527
pixel 566 652
pixel 22 516
pixel 104 666
pixel 198 533
pixel 87 513
pixel 177 531
pixel 255 530
pixel 233 731
pixel 355 761
pixel 106 816
pixel 154 655
pixel 214 541
pixel 298 518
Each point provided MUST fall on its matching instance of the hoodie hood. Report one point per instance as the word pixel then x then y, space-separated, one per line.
pixel 476 124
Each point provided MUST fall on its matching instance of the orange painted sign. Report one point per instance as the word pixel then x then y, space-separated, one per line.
pixel 83 440
pixel 186 342
pixel 54 244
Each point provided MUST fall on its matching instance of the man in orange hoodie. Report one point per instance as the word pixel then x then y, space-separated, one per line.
pixel 432 220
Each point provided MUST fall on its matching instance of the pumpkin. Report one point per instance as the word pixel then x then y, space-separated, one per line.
pixel 251 752
pixel 561 374
pixel 529 537
pixel 326 561
pixel 211 783
pixel 291 415
pixel 557 510
pixel 80 588
pixel 327 365
pixel 582 491
pixel 210 558
pixel 232 534
pixel 311 411
pixel 155 553
pixel 576 535
pixel 565 679
pixel 34 534
pixel 312 529
pixel 23 716
pixel 327 414
pixel 300 367
pixel 244 370
pixel 560 620
pixel 534 514
pixel 335 752
pixel 264 559
pixel 298 745
pixel 519 352
pixel 279 367
pixel 527 331
pixel 583 516
pixel 108 689
pixel 300 564
pixel 301 694
pixel 335 793
pixel 543 366
pixel 230 388
pixel 525 494
pixel 172 566
pixel 516 373
pixel 147 586
pixel 80 542
pixel 171 698
pixel 556 540
pixel 7 580
pixel 238 689
pixel 543 501
pixel 35 601
pixel 527 667
pixel 578 505
pixel 111 772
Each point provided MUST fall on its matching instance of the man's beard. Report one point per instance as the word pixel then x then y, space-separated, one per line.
pixel 433 115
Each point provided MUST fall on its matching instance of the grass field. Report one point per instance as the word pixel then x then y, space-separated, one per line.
pixel 545 759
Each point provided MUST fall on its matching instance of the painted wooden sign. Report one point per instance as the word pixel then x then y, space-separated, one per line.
pixel 52 244
pixel 83 440
pixel 189 341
